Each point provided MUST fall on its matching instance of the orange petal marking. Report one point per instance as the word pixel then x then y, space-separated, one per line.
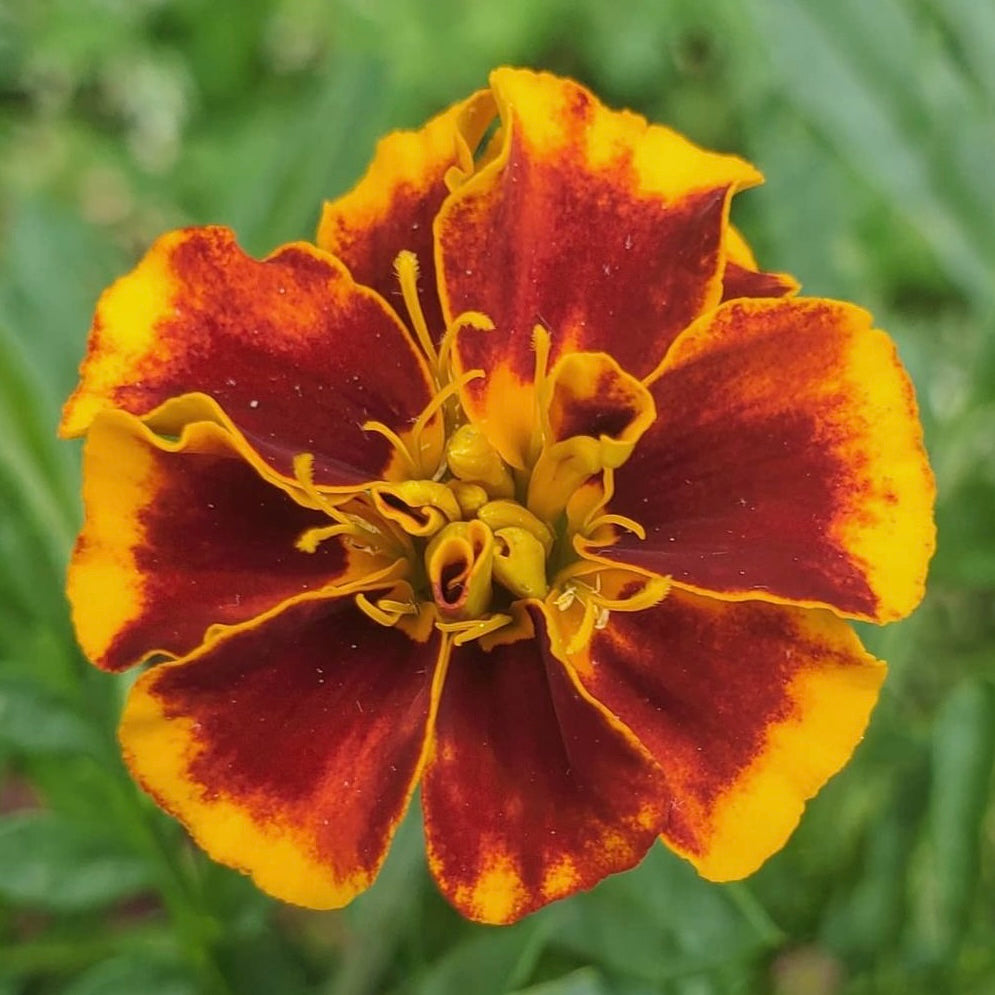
pixel 786 463
pixel 290 747
pixel 280 351
pixel 749 708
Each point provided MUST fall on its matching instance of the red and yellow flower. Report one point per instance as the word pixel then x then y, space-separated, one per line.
pixel 571 543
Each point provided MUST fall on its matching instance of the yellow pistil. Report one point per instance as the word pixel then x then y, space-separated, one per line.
pixel 414 455
pixel 542 345
pixel 351 516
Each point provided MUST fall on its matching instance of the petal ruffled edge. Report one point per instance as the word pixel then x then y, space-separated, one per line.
pixel 283 352
pixel 818 496
pixel 281 812
pixel 749 708
pixel 181 535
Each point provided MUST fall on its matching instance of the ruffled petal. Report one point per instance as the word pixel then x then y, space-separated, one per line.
pixel 182 535
pixel 749 708
pixel 603 229
pixel 742 277
pixel 786 463
pixel 287 352
pixel 531 791
pixel 393 206
pixel 289 747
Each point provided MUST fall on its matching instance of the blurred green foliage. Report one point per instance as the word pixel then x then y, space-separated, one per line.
pixel 874 125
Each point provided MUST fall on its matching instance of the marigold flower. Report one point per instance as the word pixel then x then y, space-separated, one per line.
pixel 571 544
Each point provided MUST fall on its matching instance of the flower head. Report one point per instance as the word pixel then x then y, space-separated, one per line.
pixel 526 485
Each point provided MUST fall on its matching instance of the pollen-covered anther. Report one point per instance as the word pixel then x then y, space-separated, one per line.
pixel 589 597
pixel 593 414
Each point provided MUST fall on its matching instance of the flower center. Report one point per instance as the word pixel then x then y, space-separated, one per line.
pixel 480 536
pixel 475 547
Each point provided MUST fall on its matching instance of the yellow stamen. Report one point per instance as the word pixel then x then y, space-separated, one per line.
pixel 541 344
pixel 304 475
pixel 395 440
pixel 474 319
pixel 474 628
pixel 629 524
pixel 377 612
pixel 406 268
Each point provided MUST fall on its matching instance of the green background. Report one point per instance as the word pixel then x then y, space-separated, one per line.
pixel 874 123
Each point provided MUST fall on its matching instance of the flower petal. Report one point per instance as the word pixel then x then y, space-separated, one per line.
pixel 289 747
pixel 604 229
pixel 531 791
pixel 786 463
pixel 393 206
pixel 742 276
pixel 183 535
pixel 749 708
pixel 289 352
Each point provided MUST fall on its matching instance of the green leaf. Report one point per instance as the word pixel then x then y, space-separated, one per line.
pixel 854 106
pixel 132 975
pixel 966 520
pixel 586 981
pixel 50 862
pixel 963 754
pixel 33 721
pixel 867 915
pixel 489 963
pixel 973 27
pixel 663 921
